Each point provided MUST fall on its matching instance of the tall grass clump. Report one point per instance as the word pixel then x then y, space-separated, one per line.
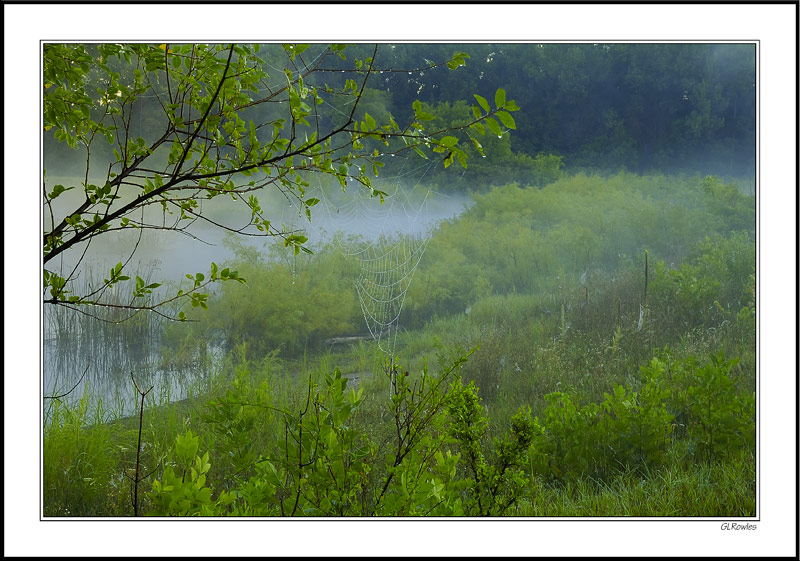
pixel 80 475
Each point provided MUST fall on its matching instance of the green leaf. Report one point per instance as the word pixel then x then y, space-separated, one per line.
pixel 462 159
pixel 457 60
pixel 420 152
pixel 449 141
pixel 506 119
pixel 499 97
pixel 483 103
pixel 493 126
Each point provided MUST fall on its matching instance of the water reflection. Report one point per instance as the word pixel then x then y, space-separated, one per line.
pixel 98 358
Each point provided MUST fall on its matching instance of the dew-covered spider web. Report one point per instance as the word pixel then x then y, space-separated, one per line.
pixel 388 240
pixel 391 240
pixel 387 269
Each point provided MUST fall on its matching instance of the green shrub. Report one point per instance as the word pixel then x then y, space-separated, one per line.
pixel 493 486
pixel 322 464
pixel 637 425
pixel 710 287
pixel 182 490
pixel 288 305
pixel 721 421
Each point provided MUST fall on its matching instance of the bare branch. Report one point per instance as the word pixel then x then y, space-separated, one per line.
pixel 73 387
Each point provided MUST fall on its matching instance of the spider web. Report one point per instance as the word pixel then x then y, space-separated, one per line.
pixel 387 269
pixel 388 240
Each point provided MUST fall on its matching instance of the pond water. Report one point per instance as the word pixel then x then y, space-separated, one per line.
pixel 108 368
pixel 100 357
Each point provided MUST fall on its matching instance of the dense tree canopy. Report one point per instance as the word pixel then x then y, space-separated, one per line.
pixel 645 107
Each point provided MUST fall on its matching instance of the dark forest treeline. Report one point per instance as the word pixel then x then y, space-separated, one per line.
pixel 669 107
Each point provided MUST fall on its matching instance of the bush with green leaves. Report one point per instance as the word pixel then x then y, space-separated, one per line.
pixel 288 304
pixel 637 425
pixel 323 464
pixel 636 429
pixel 492 487
pixel 182 490
pixel 711 286
pixel 320 466
pixel 627 430
pixel 517 240
pixel 569 445
pixel 730 207
pixel 721 420
pixel 232 420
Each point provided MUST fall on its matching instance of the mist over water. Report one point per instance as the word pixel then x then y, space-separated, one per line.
pixel 405 211
pixel 167 256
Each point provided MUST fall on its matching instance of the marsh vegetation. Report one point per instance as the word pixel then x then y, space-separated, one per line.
pixel 648 395
pixel 521 337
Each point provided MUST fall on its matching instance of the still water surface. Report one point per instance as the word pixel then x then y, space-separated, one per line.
pixel 109 354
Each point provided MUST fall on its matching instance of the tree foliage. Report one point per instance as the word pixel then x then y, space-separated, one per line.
pixel 221 121
pixel 642 107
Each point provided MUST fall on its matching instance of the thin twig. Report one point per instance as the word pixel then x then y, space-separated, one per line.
pixel 138 447
pixel 89 359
